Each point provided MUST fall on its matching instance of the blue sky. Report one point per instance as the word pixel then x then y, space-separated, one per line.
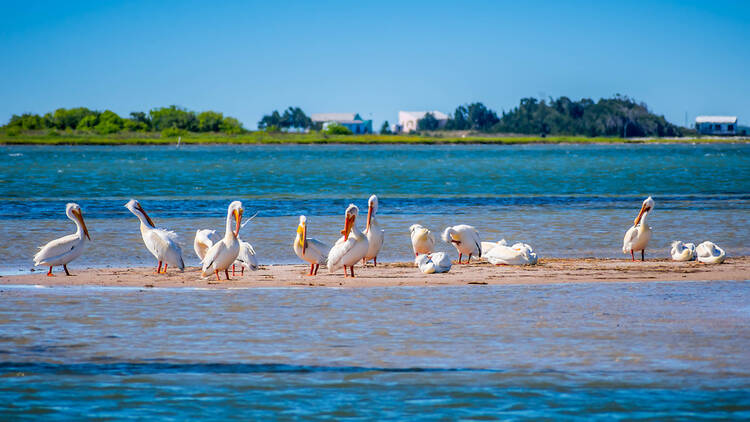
pixel 248 58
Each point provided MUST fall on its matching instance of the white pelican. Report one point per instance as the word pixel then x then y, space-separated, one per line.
pixel 246 258
pixel 501 254
pixel 437 262
pixel 373 232
pixel 682 251
pixel 161 243
pixel 67 248
pixel 351 247
pixel 465 239
pixel 204 239
pixel 637 237
pixel 223 253
pixel 708 253
pixel 422 240
pixel 311 250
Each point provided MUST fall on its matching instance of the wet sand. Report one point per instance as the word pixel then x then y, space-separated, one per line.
pixel 548 271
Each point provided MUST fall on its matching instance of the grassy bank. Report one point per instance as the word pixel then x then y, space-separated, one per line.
pixel 318 138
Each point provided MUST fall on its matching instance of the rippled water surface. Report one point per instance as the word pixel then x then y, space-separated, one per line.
pixel 643 350
pixel 564 200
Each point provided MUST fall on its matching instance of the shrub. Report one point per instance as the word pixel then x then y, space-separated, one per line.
pixel 105 128
pixel 172 132
pixel 13 131
pixel 337 129
pixel 231 126
pixel 53 132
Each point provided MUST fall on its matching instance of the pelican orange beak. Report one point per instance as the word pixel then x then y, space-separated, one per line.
pixel 140 208
pixel 302 232
pixel 238 219
pixel 79 216
pixel 369 217
pixel 348 224
pixel 644 209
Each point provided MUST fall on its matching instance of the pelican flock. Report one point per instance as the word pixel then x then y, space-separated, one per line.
pixel 307 249
pixel 218 253
pixel 67 248
pixel 160 242
pixel 351 247
pixel 223 253
pixel 637 237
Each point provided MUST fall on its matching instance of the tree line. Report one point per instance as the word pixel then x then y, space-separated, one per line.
pixel 617 116
pixel 106 122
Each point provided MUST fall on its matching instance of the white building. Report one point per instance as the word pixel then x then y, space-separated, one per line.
pixel 352 121
pixel 407 120
pixel 716 125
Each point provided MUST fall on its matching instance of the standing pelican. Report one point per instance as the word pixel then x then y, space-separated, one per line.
pixel 67 248
pixel 351 247
pixel 637 237
pixel 373 232
pixel 422 240
pixel 682 251
pixel 223 253
pixel 204 239
pixel 465 239
pixel 161 243
pixel 311 250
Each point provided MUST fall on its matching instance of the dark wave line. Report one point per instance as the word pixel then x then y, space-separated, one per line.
pixel 196 208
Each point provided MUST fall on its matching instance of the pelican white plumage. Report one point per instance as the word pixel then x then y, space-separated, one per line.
pixel 437 262
pixel 708 253
pixel 637 237
pixel 204 239
pixel 246 258
pixel 223 253
pixel 422 240
pixel 67 248
pixel 307 249
pixel 682 251
pixel 500 253
pixel 351 247
pixel 160 242
pixel 466 240
pixel 375 235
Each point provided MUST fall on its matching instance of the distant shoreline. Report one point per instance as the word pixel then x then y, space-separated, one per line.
pixel 262 138
pixel 548 271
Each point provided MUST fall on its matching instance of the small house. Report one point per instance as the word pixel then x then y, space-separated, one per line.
pixel 716 125
pixel 352 121
pixel 408 120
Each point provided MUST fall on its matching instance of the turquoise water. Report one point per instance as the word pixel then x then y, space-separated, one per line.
pixel 564 200
pixel 658 351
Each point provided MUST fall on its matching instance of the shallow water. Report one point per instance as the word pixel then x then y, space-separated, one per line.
pixel 564 200
pixel 640 350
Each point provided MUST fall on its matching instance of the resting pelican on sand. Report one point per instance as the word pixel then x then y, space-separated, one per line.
pixel 67 248
pixel 422 240
pixel 500 253
pixel 161 243
pixel 465 239
pixel 311 250
pixel 246 258
pixel 437 262
pixel 351 247
pixel 223 253
pixel 204 239
pixel 708 253
pixel 637 237
pixel 373 232
pixel 682 251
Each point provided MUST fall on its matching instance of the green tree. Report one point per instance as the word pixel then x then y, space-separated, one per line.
pixel 428 122
pixel 231 126
pixel 173 116
pixel 210 121
pixel 269 120
pixel 385 129
pixel 337 129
